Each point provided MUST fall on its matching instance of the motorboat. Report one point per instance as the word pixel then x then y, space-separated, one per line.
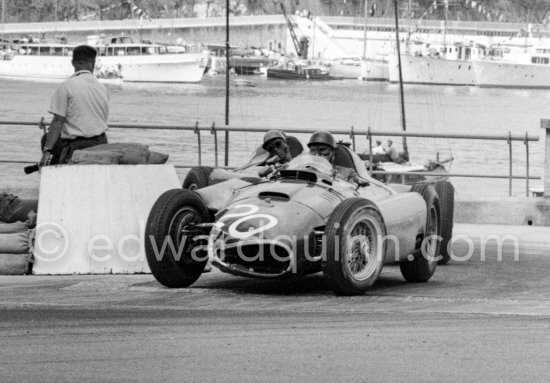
pixel 514 67
pixel 120 58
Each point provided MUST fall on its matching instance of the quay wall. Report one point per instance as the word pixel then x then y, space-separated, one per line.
pixel 264 31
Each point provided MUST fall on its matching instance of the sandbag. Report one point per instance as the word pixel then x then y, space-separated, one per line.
pixel 14 264
pixel 156 158
pixel 15 243
pixel 101 157
pixel 15 227
pixel 132 153
pixel 14 209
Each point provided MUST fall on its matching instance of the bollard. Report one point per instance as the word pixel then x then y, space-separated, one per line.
pixel 545 124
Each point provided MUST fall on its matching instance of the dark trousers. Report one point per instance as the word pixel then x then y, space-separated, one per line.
pixel 64 148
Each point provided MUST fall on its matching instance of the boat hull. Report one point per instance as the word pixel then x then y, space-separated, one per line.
pixel 370 70
pixel 287 74
pixel 495 74
pixel 187 67
pixel 432 71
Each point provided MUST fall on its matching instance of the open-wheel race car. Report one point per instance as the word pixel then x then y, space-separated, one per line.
pixel 303 219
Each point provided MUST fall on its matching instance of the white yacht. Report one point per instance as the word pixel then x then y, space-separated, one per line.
pixel 120 58
pixel 437 64
pixel 515 67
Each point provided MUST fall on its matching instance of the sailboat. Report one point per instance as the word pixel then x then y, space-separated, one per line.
pixel 364 68
pixel 394 171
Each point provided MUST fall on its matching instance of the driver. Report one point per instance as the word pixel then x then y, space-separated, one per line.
pixel 322 143
pixel 275 144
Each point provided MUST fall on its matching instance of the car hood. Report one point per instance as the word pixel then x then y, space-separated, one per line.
pixel 322 200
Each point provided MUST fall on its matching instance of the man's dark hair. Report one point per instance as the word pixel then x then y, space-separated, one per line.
pixel 84 53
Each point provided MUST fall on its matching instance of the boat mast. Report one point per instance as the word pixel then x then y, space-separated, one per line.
pixel 401 93
pixel 365 31
pixel 446 8
pixel 3 17
pixel 226 159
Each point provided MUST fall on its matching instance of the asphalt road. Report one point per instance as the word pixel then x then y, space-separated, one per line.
pixel 480 320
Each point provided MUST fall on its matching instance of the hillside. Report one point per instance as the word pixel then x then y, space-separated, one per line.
pixel 528 11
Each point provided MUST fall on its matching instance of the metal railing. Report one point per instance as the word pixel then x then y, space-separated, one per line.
pixel 352 132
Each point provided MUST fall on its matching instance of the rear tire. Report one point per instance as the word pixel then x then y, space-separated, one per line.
pixel 355 248
pixel 174 266
pixel 446 193
pixel 422 263
pixel 197 178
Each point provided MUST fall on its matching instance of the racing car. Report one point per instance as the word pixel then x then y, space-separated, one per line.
pixel 202 176
pixel 303 219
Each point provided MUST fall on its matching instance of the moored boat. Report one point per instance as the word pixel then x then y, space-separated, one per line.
pixel 299 72
pixel 448 64
pixel 526 68
pixel 134 62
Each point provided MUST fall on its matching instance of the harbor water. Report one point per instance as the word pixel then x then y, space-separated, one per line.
pixel 276 104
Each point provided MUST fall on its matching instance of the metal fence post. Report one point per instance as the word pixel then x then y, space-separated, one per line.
pixel 198 133
pixel 215 133
pixel 352 136
pixel 369 137
pixel 510 156
pixel 545 124
pixel 226 159
pixel 526 142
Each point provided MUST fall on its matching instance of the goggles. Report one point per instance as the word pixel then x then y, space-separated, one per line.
pixel 275 145
pixel 320 150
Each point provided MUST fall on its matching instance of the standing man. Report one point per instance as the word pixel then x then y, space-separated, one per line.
pixel 80 108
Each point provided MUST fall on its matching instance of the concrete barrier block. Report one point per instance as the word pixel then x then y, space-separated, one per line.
pixel 91 218
pixel 504 211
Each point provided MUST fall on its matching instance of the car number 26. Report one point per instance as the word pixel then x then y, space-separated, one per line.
pixel 245 213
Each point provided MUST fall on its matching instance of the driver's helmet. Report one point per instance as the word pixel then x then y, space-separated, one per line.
pixel 270 136
pixel 322 137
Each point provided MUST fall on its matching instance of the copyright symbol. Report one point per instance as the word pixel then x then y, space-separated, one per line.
pixel 51 242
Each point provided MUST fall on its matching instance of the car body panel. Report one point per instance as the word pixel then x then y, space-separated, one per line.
pixel 289 213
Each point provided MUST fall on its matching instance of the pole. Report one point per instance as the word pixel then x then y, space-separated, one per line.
pixel 445 22
pixel 545 124
pixel 3 17
pixel 401 92
pixel 365 31
pixel 226 159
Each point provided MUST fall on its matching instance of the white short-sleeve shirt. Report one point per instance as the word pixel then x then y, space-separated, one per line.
pixel 84 103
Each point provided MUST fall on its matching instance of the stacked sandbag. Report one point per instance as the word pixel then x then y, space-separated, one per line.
pixel 17 218
pixel 99 157
pixel 119 153
pixel 15 248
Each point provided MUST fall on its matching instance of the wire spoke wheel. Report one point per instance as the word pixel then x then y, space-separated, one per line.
pixel 355 251
pixel 361 253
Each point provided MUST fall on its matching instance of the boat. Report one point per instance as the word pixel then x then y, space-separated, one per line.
pixel 370 69
pixel 120 58
pixel 246 61
pixel 437 64
pixel 299 72
pixel 514 67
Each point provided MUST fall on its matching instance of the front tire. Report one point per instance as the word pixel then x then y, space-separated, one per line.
pixel 355 247
pixel 171 256
pixel 422 263
pixel 446 193
pixel 197 178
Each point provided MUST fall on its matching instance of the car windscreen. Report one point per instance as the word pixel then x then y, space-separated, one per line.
pixel 310 162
